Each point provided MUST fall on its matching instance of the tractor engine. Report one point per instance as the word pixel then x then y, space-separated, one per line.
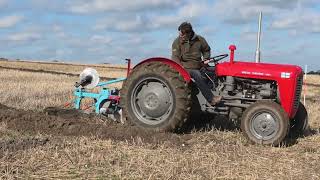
pixel 249 88
pixel 239 93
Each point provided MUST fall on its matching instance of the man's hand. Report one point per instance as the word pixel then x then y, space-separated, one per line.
pixel 206 61
pixel 182 35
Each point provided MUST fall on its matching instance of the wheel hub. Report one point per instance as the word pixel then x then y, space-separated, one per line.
pixel 264 126
pixel 152 101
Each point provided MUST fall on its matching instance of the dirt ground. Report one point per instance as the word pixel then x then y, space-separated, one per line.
pixel 41 140
pixel 69 122
pixel 59 128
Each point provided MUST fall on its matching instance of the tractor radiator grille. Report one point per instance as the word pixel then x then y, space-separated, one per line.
pixel 298 92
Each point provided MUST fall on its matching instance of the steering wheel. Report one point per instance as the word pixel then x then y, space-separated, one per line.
pixel 216 59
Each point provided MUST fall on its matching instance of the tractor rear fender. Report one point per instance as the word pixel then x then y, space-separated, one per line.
pixel 183 72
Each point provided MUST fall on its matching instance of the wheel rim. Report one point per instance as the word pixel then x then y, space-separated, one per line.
pixel 152 101
pixel 264 125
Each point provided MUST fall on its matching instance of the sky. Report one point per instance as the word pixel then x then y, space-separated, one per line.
pixel 108 31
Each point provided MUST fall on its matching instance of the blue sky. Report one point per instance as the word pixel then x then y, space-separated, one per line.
pixel 100 31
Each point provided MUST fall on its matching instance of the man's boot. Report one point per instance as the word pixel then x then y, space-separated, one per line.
pixel 215 100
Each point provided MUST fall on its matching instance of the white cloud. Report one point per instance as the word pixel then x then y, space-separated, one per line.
pixel 125 23
pixel 95 6
pixel 59 31
pixel 294 15
pixel 60 53
pixel 24 36
pixel 194 9
pixel 188 12
pixel 99 39
pixel 303 21
pixel 248 35
pixel 209 30
pixel 135 40
pixel 9 21
pixel 243 11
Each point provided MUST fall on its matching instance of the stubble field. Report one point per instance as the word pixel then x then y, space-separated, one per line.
pixel 47 143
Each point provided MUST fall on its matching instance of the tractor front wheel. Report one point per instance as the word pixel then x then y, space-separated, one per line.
pixel 299 124
pixel 155 96
pixel 265 122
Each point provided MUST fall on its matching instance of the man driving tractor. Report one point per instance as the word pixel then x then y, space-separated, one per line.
pixel 193 52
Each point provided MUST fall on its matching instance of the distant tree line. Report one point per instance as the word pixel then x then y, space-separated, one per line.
pixel 314 72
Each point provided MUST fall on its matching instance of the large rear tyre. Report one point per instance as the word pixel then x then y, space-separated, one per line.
pixel 299 124
pixel 265 122
pixel 155 96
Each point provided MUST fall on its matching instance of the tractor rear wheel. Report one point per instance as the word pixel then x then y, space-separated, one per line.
pixel 265 122
pixel 299 124
pixel 156 97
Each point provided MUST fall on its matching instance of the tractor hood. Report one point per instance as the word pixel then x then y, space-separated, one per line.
pixel 258 70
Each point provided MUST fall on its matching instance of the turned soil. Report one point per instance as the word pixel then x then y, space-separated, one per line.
pixel 69 122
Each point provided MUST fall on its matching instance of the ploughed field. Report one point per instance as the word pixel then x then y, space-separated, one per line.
pixel 39 138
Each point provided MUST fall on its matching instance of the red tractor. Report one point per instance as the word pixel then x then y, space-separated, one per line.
pixel 265 97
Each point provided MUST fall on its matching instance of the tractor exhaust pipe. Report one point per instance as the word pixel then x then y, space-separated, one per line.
pixel 258 53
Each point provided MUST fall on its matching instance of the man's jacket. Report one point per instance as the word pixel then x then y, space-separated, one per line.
pixel 189 53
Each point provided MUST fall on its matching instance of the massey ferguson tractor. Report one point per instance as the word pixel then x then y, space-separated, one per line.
pixel 266 97
pixel 158 95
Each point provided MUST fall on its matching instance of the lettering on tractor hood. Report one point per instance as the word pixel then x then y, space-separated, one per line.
pixel 255 73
